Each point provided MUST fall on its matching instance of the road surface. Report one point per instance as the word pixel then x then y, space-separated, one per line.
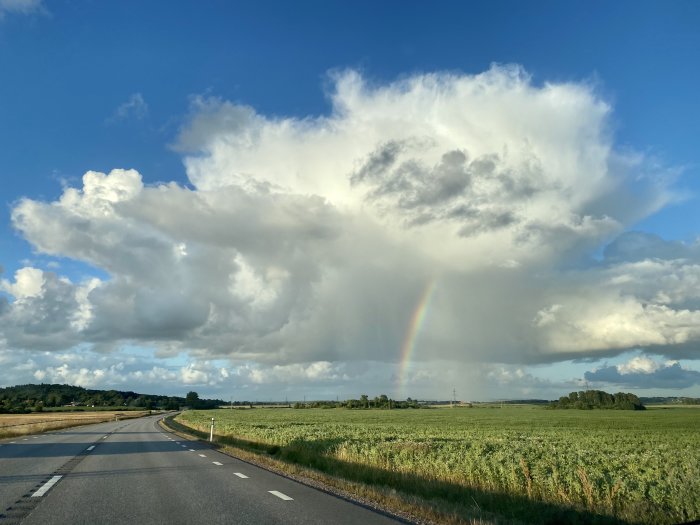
pixel 135 472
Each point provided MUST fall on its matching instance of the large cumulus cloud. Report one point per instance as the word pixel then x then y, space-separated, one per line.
pixel 312 240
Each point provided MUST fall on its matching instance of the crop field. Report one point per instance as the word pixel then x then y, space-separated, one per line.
pixel 12 425
pixel 520 464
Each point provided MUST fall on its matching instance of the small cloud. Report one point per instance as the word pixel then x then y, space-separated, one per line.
pixel 643 372
pixel 21 7
pixel 28 283
pixel 639 365
pixel 134 108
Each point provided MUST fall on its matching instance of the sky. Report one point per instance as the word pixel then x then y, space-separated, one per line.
pixel 287 200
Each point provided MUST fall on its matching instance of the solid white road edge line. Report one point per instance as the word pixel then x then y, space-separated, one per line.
pixel 280 495
pixel 242 476
pixel 46 486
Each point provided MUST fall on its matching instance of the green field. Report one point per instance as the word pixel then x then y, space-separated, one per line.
pixel 520 463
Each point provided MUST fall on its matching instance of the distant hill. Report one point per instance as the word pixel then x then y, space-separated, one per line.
pixel 28 398
pixel 591 399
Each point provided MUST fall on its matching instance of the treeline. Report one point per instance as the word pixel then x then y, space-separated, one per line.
pixel 35 398
pixel 671 400
pixel 379 402
pixel 591 399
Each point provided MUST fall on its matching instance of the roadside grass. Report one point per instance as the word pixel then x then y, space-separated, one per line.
pixel 14 425
pixel 486 465
pixel 408 507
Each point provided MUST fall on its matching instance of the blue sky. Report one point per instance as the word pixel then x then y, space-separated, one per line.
pixel 168 90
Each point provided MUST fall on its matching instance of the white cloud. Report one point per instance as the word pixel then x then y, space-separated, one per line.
pixel 296 373
pixel 124 370
pixel 40 316
pixel 22 7
pixel 642 372
pixel 647 303
pixel 134 108
pixel 28 283
pixel 308 241
pixel 639 364
pixel 512 381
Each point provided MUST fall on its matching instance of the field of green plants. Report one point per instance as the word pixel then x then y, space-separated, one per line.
pixel 520 463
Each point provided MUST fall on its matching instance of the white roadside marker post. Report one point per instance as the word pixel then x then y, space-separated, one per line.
pixel 211 432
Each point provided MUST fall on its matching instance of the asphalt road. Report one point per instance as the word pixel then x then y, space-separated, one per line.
pixel 135 472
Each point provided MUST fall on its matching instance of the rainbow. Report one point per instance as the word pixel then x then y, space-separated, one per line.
pixel 409 342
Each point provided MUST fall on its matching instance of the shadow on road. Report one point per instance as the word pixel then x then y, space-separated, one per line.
pixel 177 470
pixel 44 450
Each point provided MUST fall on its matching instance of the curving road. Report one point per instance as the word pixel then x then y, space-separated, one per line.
pixel 135 472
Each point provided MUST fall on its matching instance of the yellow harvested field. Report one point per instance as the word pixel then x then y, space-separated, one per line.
pixel 22 424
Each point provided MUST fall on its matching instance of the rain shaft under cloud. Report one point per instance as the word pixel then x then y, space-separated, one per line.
pixel 311 240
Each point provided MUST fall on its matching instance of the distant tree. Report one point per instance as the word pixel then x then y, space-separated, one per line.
pixel 192 399
pixel 171 404
pixel 591 399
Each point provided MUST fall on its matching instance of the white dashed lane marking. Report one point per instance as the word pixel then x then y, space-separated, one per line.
pixel 191 450
pixel 242 476
pixel 91 447
pixel 183 446
pixel 217 463
pixel 202 456
pixel 46 486
pixel 280 495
